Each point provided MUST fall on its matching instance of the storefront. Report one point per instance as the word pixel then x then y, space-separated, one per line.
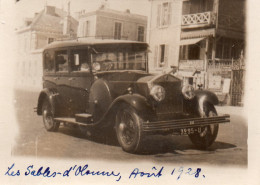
pixel 192 63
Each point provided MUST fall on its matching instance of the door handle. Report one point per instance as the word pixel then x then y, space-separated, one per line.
pixel 70 79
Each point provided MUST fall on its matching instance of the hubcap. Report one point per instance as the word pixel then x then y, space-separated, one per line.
pixel 211 128
pixel 126 128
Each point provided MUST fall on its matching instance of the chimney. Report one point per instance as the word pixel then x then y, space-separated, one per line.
pixel 104 5
pixel 127 11
pixel 50 10
pixel 67 22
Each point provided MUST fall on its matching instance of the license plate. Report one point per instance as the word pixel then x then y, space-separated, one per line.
pixel 187 131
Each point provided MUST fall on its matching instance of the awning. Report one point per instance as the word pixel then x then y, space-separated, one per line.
pixel 198 33
pixel 190 41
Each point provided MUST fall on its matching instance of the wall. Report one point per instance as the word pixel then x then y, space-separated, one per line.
pixel 29 58
pixel 92 23
pixel 106 26
pixel 168 35
pixel 29 71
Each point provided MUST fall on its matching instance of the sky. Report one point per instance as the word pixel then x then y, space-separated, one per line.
pixel 27 8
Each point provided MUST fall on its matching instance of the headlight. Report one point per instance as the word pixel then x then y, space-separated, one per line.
pixel 157 92
pixel 188 92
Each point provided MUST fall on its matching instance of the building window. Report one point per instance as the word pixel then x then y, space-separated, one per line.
pixel 190 52
pixel 164 13
pixel 194 52
pixel 140 34
pixel 50 40
pixel 118 31
pixel 161 55
pixel 186 7
pixel 86 28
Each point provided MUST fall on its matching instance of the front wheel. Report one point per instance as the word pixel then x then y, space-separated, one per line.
pixel 208 133
pixel 129 129
pixel 48 120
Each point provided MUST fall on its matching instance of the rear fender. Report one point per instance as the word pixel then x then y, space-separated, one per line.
pixel 51 95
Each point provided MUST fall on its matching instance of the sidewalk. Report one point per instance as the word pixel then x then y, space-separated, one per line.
pixel 231 110
pixel 238 115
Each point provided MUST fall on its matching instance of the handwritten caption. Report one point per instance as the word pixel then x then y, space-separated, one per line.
pixel 85 170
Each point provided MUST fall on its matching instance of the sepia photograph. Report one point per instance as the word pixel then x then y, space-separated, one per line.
pixel 125 91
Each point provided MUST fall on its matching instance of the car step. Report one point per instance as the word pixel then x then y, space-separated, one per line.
pixel 84 118
pixel 68 120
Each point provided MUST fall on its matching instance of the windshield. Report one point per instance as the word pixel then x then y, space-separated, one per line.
pixel 123 60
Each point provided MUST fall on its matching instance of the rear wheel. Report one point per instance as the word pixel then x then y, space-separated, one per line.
pixel 48 119
pixel 208 133
pixel 129 129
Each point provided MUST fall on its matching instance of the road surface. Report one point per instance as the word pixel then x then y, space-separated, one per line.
pixel 33 140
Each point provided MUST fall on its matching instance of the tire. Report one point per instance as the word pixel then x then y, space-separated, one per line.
pixel 208 133
pixel 129 129
pixel 48 119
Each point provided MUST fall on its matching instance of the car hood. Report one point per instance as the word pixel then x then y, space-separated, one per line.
pixel 123 76
pixel 139 82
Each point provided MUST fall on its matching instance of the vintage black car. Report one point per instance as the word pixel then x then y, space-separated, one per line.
pixel 102 84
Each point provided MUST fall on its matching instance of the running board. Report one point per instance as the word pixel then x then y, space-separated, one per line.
pixel 84 118
pixel 72 121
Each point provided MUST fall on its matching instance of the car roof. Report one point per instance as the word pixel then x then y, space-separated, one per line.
pixel 89 41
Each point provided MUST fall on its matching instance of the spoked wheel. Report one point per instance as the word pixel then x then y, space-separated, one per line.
pixel 48 120
pixel 129 129
pixel 208 133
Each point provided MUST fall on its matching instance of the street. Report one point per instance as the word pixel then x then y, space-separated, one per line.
pixel 34 141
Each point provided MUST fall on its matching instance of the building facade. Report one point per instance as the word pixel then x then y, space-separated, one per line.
pixel 164 34
pixel 111 24
pixel 211 42
pixel 45 27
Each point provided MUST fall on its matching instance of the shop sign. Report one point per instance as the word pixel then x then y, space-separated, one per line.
pixel 191 65
pixel 214 82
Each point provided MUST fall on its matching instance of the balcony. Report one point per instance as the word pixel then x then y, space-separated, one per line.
pixel 198 20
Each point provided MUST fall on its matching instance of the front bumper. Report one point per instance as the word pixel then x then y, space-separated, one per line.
pixel 171 125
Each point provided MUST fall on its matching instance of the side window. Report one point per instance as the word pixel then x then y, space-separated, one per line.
pixel 61 60
pixel 140 33
pixel 79 60
pixel 48 65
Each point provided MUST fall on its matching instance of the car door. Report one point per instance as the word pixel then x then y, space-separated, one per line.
pixel 62 81
pixel 80 79
pixel 49 76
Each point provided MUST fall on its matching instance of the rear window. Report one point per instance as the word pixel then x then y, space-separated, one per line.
pixel 61 60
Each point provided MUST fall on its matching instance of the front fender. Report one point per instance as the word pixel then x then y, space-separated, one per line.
pixel 51 95
pixel 138 102
pixel 205 98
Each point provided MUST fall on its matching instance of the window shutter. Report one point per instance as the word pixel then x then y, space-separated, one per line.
pixel 159 15
pixel 166 53
pixel 86 29
pixel 155 56
pixel 83 29
pixel 169 13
